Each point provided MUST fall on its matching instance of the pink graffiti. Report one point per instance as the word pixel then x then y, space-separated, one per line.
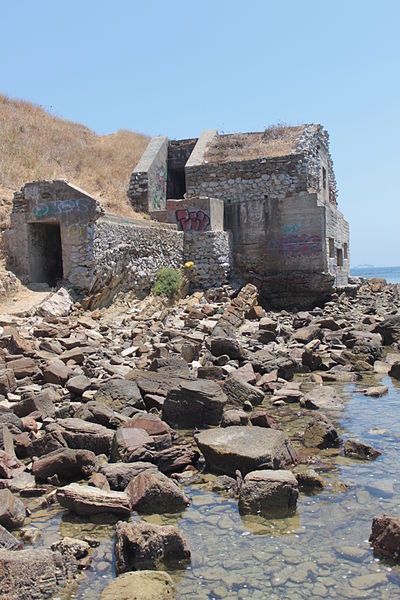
pixel 193 220
pixel 295 245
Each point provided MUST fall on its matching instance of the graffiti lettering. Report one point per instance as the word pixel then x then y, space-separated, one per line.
pixel 50 209
pixel 192 220
pixel 159 192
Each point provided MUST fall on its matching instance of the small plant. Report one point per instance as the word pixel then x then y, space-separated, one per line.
pixel 168 282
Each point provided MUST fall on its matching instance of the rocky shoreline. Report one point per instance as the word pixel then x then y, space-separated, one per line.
pixel 113 411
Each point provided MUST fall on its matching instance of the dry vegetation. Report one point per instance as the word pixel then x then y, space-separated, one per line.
pixel 277 140
pixel 36 145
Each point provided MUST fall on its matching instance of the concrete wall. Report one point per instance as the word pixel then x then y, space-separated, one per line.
pixel 337 229
pixel 148 184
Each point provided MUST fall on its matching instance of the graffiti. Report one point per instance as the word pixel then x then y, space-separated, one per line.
pixel 288 229
pixel 292 245
pixel 193 220
pixel 76 233
pixel 54 208
pixel 159 192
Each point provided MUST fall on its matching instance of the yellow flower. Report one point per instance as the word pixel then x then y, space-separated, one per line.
pixel 189 264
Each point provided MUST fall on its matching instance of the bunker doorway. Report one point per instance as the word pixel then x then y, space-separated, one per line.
pixel 46 264
pixel 176 183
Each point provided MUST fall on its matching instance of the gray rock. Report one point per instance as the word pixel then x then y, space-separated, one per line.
pixel 140 545
pixel 78 384
pixel 80 434
pixel 322 398
pixel 119 474
pixel 233 417
pixel 320 433
pixel 357 449
pixel 268 492
pixel 239 391
pixel 245 448
pixel 395 370
pixel 119 394
pixel 194 403
pixel 8 541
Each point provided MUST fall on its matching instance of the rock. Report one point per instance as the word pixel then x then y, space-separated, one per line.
pixel 10 467
pixel 225 345
pixel 264 361
pixel 119 394
pixel 80 434
pixel 8 541
pixel 132 444
pixel 233 417
pixel 268 492
pixel 389 329
pixel 140 585
pixel 385 537
pixel 320 433
pixel 305 335
pixel 57 372
pixel 7 381
pixel 153 492
pixel 57 304
pixel 395 370
pixel 357 449
pixel 19 345
pixel 119 474
pixel 322 398
pixel 78 384
pixel 176 458
pixel 309 480
pixel 66 463
pixel 100 481
pixel 376 392
pixel 72 547
pixel 87 500
pixel 239 391
pixel 140 545
pixel 194 403
pixel 41 402
pixel 103 415
pixel 261 418
pixel 33 574
pixel 12 510
pixel 245 448
pixel 23 367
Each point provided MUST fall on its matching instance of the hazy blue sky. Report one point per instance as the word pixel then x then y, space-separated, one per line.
pixel 177 67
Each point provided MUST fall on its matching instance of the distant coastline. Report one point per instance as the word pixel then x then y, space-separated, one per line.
pixel 391 274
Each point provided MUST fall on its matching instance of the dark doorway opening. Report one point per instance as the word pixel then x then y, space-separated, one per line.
pixel 45 253
pixel 176 183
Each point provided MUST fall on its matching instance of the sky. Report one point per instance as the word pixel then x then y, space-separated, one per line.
pixel 174 67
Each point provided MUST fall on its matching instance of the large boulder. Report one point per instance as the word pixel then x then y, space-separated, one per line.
pixel 119 394
pixel 102 415
pixel 33 574
pixel 131 444
pixel 385 537
pixel 66 463
pixel 80 434
pixel 268 492
pixel 140 585
pixel 12 510
pixel 153 492
pixel 140 545
pixel 87 500
pixel 41 402
pixel 245 448
pixel 194 403
pixel 264 361
pixel 389 329
pixel 395 370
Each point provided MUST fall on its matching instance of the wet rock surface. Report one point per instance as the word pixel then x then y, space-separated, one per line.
pixel 140 395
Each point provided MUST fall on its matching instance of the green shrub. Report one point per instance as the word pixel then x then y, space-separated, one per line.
pixel 168 282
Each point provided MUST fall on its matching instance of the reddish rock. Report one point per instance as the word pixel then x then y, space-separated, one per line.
pixel 385 537
pixel 153 492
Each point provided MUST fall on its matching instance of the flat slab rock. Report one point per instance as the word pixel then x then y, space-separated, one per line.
pixel 194 403
pixel 140 585
pixel 87 500
pixel 322 398
pixel 245 448
pixel 119 474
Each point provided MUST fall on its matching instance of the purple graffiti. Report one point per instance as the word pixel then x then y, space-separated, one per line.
pixel 193 220
pixel 295 245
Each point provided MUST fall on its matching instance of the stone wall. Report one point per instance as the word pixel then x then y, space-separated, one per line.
pixel 129 252
pixel 211 253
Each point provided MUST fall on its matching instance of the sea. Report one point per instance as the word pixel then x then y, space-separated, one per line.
pixel 391 274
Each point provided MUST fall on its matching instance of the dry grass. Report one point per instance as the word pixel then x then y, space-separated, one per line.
pixel 277 140
pixel 36 145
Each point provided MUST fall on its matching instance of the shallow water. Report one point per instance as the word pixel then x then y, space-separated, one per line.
pixel 321 551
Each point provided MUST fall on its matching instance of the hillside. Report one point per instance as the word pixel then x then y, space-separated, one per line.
pixel 37 145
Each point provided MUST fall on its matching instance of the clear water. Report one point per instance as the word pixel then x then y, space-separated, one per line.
pixel 321 552
pixel 391 274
